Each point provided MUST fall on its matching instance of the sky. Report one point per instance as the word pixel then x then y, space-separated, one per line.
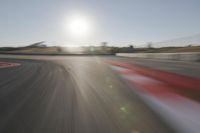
pixel 118 22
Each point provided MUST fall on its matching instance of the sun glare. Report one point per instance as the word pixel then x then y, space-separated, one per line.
pixel 78 26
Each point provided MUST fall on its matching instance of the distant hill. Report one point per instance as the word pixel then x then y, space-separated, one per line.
pixel 168 49
pixel 35 48
pixel 180 42
pixel 185 44
pixel 37 45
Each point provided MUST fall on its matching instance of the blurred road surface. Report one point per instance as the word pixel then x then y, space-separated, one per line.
pixel 75 95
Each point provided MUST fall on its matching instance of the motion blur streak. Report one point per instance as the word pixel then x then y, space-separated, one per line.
pixel 81 94
pixel 71 95
pixel 175 97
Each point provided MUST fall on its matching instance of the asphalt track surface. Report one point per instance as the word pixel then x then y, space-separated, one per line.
pixel 72 95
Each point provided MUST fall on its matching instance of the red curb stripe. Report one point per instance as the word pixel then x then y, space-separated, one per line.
pixel 8 64
pixel 162 97
pixel 176 80
pixel 149 85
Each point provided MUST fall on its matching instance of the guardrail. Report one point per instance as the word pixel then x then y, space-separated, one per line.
pixel 193 56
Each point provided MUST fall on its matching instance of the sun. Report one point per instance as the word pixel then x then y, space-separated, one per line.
pixel 78 26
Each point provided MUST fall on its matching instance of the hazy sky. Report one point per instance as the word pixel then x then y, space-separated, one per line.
pixel 115 21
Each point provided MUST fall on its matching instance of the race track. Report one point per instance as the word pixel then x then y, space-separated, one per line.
pixel 71 95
